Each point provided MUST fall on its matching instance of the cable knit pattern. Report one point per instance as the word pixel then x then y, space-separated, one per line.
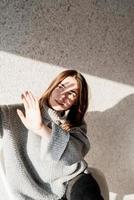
pixel 54 116
pixel 36 168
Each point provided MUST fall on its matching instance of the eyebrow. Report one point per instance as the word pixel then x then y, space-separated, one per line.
pixel 70 90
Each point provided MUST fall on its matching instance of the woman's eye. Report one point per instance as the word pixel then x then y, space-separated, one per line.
pixel 73 94
pixel 59 86
pixel 70 93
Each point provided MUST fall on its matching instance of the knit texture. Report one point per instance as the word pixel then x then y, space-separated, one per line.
pixel 38 168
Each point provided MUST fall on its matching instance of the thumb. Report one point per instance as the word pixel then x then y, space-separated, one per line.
pixel 21 115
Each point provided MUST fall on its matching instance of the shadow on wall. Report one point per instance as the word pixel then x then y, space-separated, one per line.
pixel 111 136
pixel 94 36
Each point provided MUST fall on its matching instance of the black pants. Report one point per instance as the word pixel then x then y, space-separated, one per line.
pixel 83 187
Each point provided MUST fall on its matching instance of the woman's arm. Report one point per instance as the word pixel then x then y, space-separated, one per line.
pixel 44 131
pixel 69 147
pixel 1 132
pixel 4 114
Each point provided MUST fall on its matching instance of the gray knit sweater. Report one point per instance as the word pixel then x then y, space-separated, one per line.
pixel 39 168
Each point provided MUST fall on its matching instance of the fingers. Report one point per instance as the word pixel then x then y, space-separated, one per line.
pixel 34 100
pixel 28 100
pixel 24 100
pixel 37 101
pixel 31 99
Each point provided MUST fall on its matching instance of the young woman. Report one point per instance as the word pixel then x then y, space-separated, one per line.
pixel 44 142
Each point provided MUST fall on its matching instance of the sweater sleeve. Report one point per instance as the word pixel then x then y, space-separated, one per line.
pixel 5 115
pixel 1 131
pixel 3 118
pixel 69 147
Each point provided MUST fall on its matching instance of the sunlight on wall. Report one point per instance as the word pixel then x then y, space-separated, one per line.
pixel 18 74
pixel 129 197
pixel 110 92
pixel 112 196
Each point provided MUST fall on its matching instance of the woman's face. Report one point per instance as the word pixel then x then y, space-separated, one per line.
pixel 64 95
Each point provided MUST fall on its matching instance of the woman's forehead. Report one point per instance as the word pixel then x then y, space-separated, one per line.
pixel 70 82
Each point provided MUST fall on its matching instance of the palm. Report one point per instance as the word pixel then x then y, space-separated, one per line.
pixel 32 119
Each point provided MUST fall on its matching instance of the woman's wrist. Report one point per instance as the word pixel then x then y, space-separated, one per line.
pixel 44 131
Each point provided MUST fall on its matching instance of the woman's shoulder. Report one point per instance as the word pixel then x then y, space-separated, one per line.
pixel 15 105
pixel 7 108
pixel 82 124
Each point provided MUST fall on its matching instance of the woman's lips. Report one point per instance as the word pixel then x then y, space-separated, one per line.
pixel 62 104
pixel 59 103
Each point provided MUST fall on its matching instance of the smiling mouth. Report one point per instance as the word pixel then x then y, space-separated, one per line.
pixel 61 104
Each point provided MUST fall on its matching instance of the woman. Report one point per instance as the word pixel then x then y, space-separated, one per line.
pixel 45 142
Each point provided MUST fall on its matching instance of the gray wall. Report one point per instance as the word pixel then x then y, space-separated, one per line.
pixel 93 36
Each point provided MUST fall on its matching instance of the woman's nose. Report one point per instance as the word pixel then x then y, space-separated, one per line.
pixel 63 97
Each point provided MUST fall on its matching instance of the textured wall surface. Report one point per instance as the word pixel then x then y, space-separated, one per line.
pixel 38 39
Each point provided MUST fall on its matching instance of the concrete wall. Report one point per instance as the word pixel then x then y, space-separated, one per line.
pixel 38 39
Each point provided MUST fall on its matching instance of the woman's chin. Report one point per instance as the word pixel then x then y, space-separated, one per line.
pixel 58 108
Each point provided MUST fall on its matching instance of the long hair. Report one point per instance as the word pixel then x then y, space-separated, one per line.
pixel 78 110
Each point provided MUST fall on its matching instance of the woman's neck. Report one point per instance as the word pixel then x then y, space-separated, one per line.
pixel 60 113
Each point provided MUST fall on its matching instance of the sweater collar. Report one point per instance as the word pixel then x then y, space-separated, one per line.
pixel 53 115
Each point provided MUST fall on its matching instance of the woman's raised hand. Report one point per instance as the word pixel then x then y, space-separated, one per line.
pixel 32 119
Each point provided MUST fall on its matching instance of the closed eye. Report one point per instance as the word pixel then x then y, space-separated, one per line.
pixel 72 93
pixel 60 86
